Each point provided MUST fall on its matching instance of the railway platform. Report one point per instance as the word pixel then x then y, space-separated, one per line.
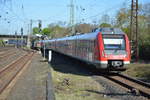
pixel 31 84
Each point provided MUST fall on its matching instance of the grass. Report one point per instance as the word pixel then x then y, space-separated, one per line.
pixel 139 70
pixel 75 87
pixel 1 43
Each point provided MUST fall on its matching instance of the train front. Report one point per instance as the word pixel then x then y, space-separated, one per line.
pixel 114 49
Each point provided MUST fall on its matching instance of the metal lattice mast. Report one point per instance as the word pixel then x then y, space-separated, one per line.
pixel 134 28
pixel 21 37
pixel 29 34
pixel 72 17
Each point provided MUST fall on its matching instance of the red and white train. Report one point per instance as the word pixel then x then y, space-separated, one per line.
pixel 106 48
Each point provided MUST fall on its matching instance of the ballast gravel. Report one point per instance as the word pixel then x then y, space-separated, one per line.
pixel 114 91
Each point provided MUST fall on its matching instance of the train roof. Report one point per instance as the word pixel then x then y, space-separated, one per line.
pixel 110 30
pixel 46 41
pixel 85 36
pixel 90 36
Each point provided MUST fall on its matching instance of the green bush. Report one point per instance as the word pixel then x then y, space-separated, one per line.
pixel 1 42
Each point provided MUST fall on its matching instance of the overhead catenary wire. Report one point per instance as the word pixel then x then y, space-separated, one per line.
pixel 14 18
pixel 24 19
pixel 105 11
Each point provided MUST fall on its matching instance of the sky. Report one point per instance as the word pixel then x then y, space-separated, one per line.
pixel 15 14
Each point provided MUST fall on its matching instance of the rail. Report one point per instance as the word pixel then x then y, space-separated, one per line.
pixel 136 86
pixel 8 73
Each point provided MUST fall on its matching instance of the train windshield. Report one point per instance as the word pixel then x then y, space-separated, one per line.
pixel 114 42
pixel 111 31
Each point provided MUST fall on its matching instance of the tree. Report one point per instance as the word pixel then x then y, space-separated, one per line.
pixel 36 30
pixel 83 28
pixel 126 30
pixel 57 31
pixel 123 18
pixel 46 31
pixel 104 25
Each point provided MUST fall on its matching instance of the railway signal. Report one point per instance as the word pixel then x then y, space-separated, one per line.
pixel 40 26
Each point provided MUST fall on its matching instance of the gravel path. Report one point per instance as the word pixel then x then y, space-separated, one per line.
pixel 32 83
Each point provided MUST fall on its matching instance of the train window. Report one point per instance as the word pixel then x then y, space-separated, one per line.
pixel 111 31
pixel 118 31
pixel 114 43
pixel 106 29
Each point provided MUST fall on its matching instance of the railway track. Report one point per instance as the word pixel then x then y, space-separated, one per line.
pixel 135 86
pixel 5 48
pixel 2 52
pixel 7 54
pixel 8 73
